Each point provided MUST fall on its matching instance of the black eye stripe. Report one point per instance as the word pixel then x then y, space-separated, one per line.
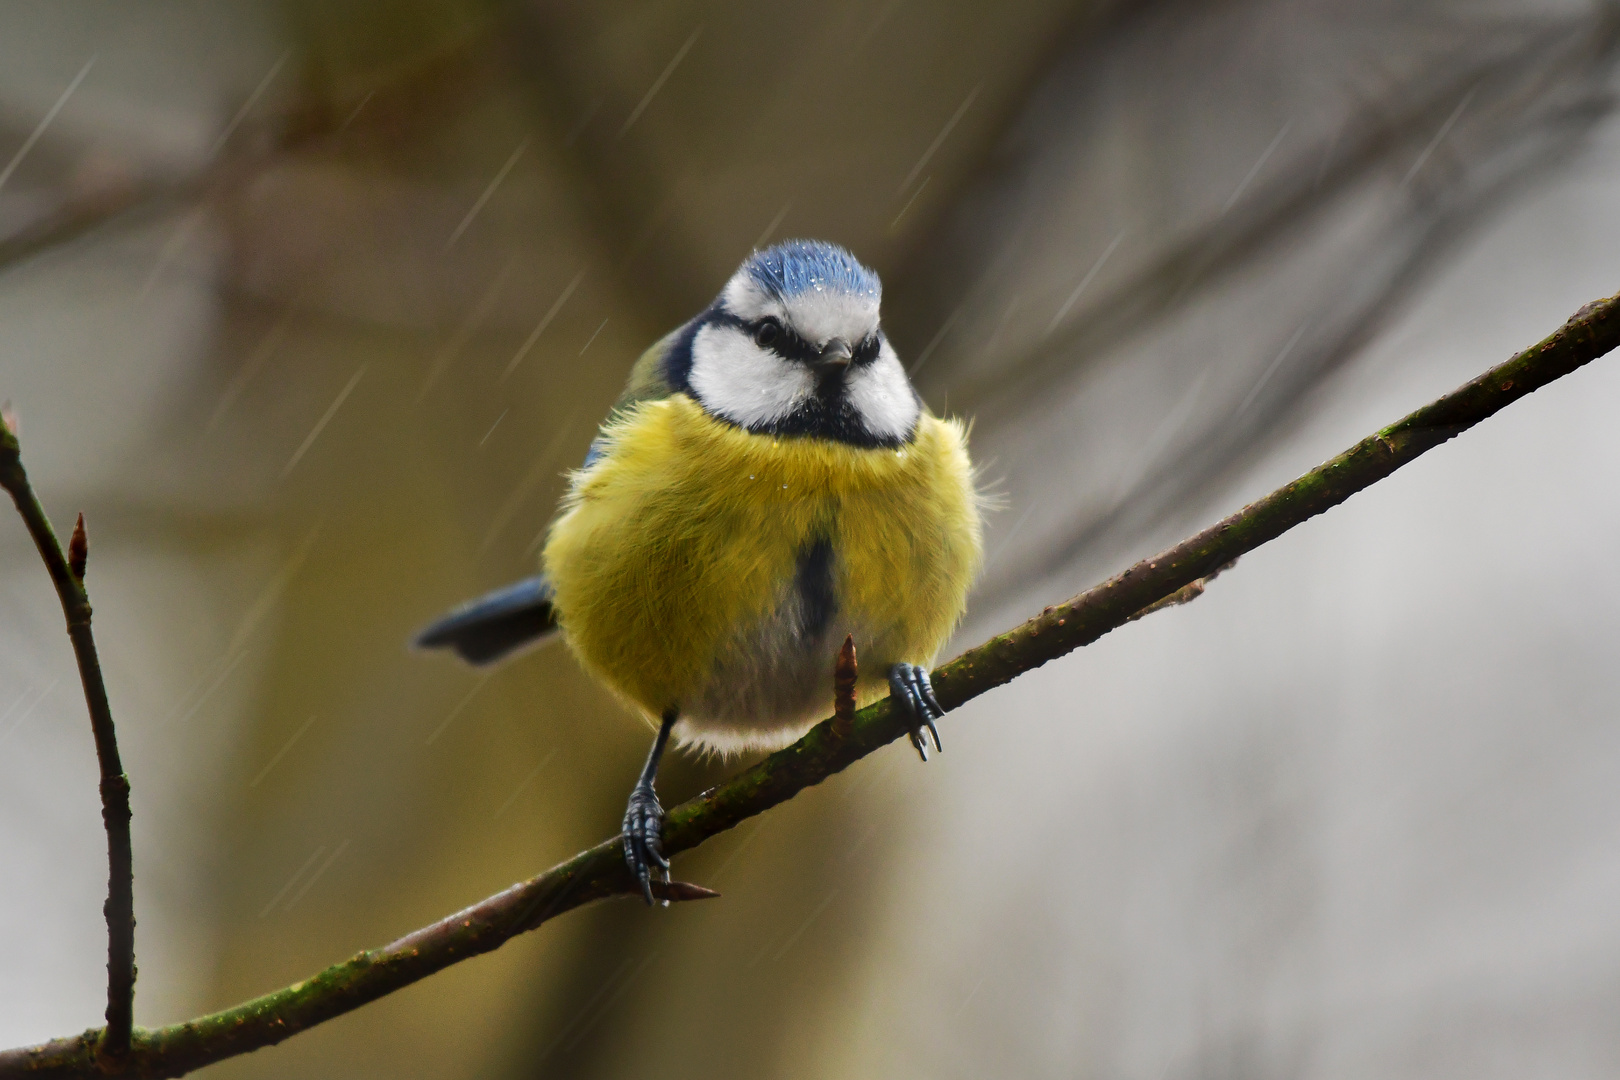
pixel 789 345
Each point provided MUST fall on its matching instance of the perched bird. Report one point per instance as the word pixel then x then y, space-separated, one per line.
pixel 767 483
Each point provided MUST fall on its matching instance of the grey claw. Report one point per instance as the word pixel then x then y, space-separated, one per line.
pixel 934 711
pixel 912 691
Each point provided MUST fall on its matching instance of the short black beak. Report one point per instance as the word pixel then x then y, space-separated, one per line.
pixel 835 356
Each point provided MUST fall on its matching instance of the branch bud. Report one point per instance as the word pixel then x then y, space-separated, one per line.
pixel 844 672
pixel 78 550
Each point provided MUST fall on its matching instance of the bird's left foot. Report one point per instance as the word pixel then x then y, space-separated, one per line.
pixel 643 839
pixel 910 689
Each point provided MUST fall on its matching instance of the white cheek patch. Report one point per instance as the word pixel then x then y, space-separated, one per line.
pixel 882 395
pixel 734 378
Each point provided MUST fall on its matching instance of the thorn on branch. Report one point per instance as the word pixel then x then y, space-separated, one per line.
pixel 78 549
pixel 677 891
pixel 844 674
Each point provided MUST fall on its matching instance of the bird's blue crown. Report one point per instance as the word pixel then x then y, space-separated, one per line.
pixel 796 266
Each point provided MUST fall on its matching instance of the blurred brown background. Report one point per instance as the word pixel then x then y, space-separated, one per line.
pixel 309 306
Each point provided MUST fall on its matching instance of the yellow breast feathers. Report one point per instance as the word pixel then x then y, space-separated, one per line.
pixel 680 565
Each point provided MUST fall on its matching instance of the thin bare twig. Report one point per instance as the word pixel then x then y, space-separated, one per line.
pixel 67 574
pixel 832 746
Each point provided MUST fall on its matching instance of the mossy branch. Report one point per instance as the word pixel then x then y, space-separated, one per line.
pixel 836 743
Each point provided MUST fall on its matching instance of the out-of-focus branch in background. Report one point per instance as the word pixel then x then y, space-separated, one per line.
pixel 1418 163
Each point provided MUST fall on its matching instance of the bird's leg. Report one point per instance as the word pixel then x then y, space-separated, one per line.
pixel 644 818
pixel 914 694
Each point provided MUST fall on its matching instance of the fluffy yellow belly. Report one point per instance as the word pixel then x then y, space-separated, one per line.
pixel 702 568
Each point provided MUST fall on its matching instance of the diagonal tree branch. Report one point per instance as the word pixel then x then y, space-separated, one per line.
pixel 67 573
pixel 834 744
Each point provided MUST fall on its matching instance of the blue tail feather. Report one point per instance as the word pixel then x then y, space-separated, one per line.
pixel 482 631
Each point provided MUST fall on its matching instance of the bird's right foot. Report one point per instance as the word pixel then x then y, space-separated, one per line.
pixel 910 689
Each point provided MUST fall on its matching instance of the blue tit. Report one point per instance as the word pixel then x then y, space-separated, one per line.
pixel 768 482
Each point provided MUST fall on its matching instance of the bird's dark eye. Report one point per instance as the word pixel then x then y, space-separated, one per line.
pixel 767 332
